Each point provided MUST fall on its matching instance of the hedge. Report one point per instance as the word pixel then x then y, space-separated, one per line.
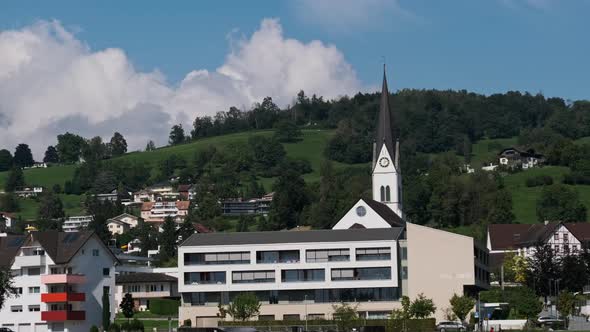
pixel 164 307
pixel 414 325
pixel 539 180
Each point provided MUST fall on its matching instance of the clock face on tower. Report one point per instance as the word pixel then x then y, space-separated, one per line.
pixel 384 162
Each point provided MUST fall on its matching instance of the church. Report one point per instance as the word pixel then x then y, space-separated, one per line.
pixel 370 258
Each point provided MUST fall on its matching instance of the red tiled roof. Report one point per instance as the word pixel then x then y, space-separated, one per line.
pixel 146 206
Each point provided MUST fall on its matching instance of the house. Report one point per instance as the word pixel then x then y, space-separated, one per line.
pixel 144 286
pixel 28 192
pixel 9 219
pixel 187 192
pixel 37 165
pixel 76 223
pixel 522 239
pixel 371 257
pixel 255 206
pixel 156 212
pixel 122 223
pixel 514 158
pixel 163 191
pixel 60 278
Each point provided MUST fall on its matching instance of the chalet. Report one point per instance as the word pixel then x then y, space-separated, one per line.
pixel 514 158
pixel 144 286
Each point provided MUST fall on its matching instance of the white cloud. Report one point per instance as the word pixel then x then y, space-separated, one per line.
pixel 346 15
pixel 51 82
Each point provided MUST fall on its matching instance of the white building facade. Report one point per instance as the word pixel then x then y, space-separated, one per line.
pixel 75 223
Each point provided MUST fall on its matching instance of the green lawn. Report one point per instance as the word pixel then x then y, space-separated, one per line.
pixel 149 325
pixel 480 151
pixel 46 177
pixel 73 205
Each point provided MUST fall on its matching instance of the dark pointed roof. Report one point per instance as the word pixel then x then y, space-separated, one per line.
pixel 384 133
pixel 385 212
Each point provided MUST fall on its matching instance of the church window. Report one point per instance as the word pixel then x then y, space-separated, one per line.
pixel 361 211
pixel 387 194
pixel 382 194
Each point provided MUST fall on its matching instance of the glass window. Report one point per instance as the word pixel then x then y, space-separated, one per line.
pixel 282 256
pixel 373 254
pixel 327 255
pixel 195 278
pixel 242 257
pixel 34 308
pixel 34 271
pixel 106 271
pixel 361 211
pixel 34 290
pixel 95 252
pixel 242 277
pixel 303 275
pixel 16 308
pixel 368 273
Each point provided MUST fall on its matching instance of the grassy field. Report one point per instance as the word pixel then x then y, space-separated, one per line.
pixel 149 324
pixel 483 150
pixel 73 205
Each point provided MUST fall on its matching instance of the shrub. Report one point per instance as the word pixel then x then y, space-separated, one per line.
pixel 164 306
pixel 114 328
pixel 94 329
pixel 539 180
pixel 187 322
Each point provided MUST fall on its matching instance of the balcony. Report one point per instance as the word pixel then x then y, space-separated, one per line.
pixel 62 315
pixel 63 279
pixel 32 260
pixel 63 297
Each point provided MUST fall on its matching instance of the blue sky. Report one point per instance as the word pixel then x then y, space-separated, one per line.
pixel 484 46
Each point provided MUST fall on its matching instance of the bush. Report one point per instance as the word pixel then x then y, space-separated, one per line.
pixel 164 307
pixel 539 180
pixel 114 328
pixel 94 329
pixel 575 178
pixel 187 322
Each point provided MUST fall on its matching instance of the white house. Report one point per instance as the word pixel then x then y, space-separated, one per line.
pixel 144 286
pixel 156 212
pixel 122 223
pixel 60 278
pixel 75 223
pixel 9 219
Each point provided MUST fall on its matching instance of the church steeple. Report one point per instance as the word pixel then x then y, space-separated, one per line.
pixel 384 133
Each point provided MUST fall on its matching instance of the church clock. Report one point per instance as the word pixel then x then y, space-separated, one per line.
pixel 384 162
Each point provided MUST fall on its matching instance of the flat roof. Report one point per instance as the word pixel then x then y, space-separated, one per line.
pixel 329 235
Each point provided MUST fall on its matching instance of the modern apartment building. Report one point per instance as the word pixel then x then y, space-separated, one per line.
pixel 60 278
pixel 75 223
pixel 156 212
pixel 254 206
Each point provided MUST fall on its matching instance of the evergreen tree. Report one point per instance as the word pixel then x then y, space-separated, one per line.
pixel 151 146
pixel 16 180
pixel 176 135
pixel 51 155
pixel 167 240
pixel 8 203
pixel 51 212
pixel 289 200
pixel 147 236
pixel 118 144
pixel 101 211
pixel 106 310
pixel 127 306
pixel 543 267
pixel 5 160
pixel 287 131
pixel 23 156
pixel 7 288
pixel 501 208
pixel 187 228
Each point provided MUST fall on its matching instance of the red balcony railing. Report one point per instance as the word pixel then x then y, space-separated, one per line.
pixel 63 297
pixel 62 315
pixel 63 279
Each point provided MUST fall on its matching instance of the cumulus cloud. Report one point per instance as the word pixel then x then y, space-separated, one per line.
pixel 51 82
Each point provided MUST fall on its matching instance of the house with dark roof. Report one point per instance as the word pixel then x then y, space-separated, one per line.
pixel 522 239
pixel 515 158
pixel 122 223
pixel 144 286
pixel 60 278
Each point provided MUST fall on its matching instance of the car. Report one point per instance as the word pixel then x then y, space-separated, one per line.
pixel 450 326
pixel 549 321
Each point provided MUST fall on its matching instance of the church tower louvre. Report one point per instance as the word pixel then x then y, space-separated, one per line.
pixel 386 176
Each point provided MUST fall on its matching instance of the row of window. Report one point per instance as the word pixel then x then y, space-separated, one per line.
pixel 297 296
pixel 148 288
pixel 31 308
pixel 32 290
pixel 305 275
pixel 287 256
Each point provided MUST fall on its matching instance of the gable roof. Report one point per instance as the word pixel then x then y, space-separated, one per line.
pixel 513 236
pixel 385 212
pixel 9 246
pixel 143 277
pixel 581 230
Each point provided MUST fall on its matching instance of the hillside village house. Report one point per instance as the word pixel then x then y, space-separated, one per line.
pixel 75 223
pixel 60 278
pixel 159 192
pixel 254 206
pixel 156 212
pixel 521 239
pixel 187 192
pixel 515 158
pixel 122 223
pixel 9 219
pixel 28 192
pixel 144 286
pixel 371 257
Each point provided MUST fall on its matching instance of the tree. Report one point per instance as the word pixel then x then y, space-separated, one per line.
pixel 69 147
pixel 51 213
pixel 559 202
pixel 118 145
pixel 127 306
pixel 461 305
pixel 7 288
pixel 346 316
pixel 515 268
pixel 176 135
pixel 566 303
pixel 147 236
pixel 101 211
pixel 187 228
pixel 543 266
pixel 167 240
pixel 525 302
pixel 287 131
pixel 94 149
pixel 244 306
pixel 106 310
pixel 422 307
pixel 501 208
pixel 289 200
pixel 8 203
pixel 23 156
pixel 51 155
pixel 16 179
pixel 5 160
pixel 151 146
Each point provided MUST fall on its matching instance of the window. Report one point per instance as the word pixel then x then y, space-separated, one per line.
pixel 217 258
pixel 16 308
pixel 291 317
pixel 361 211
pixel 106 290
pixel 373 254
pixel 282 256
pixel 34 290
pixel 132 288
pixel 556 236
pixel 82 251
pixel 303 275
pixel 244 277
pixel 95 252
pixel 19 290
pixel 34 271
pixel 327 255
pixel 151 288
pixel 34 308
pixel 195 278
pixel 387 194
pixel 368 273
pixel 38 252
pixel 404 272
pixel 106 272
pixel 382 194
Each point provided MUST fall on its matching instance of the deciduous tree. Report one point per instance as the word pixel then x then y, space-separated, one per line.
pixel 118 144
pixel 244 306
pixel 461 305
pixel 5 160
pixel 23 156
pixel 51 155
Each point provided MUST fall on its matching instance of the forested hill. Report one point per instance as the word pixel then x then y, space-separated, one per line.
pixel 234 152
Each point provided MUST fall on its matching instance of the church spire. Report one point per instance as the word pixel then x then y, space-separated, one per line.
pixel 384 132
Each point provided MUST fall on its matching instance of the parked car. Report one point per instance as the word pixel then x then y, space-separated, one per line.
pixel 550 321
pixel 450 326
